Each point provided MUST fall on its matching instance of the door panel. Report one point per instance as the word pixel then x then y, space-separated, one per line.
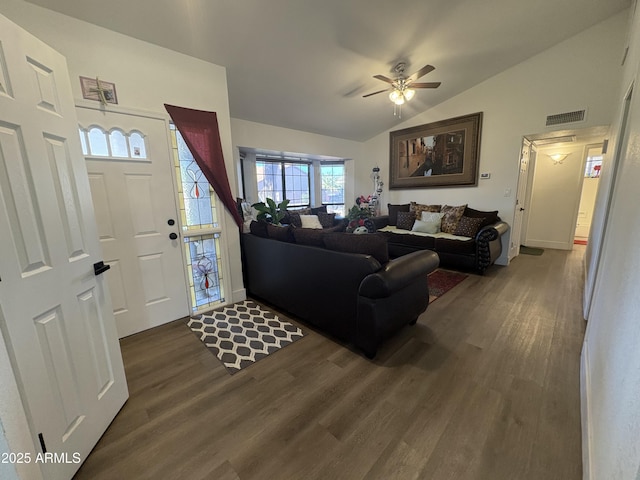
pixel 56 318
pixel 133 195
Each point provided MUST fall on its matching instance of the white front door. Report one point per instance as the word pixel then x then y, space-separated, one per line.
pixel 521 194
pixel 55 313
pixel 130 172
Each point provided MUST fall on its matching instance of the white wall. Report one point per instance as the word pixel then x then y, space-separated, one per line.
pixel 260 136
pixel 146 77
pixel 583 71
pixel 610 356
pixel 555 197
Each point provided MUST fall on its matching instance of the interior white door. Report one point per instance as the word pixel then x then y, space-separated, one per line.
pixel 133 195
pixel 521 193
pixel 55 313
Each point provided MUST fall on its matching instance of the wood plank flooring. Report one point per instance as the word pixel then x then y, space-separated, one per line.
pixel 485 386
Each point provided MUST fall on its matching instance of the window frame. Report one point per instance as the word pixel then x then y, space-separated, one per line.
pixel 284 162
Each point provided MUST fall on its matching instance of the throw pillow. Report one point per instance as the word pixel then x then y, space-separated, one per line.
pixel 292 217
pixel 452 216
pixel 317 210
pixel 310 221
pixel 468 226
pixel 489 217
pixel 309 236
pixel 326 219
pixel 429 226
pixel 418 208
pixel 405 220
pixel 374 244
pixel 432 217
pixel 280 233
pixel 393 212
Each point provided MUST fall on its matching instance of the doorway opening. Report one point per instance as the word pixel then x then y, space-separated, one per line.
pixel 550 188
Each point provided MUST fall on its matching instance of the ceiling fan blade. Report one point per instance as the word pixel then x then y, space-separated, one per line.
pixel 384 79
pixel 425 85
pixel 420 73
pixel 375 93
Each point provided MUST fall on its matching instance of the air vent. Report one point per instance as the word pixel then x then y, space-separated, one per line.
pixel 568 117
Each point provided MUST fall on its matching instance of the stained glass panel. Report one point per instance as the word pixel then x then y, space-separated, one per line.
pixel 118 143
pixel 205 275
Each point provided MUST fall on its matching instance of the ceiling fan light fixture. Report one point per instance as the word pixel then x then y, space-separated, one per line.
pixel 397 97
pixel 409 93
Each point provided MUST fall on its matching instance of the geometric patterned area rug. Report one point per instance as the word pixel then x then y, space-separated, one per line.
pixel 243 333
pixel 441 281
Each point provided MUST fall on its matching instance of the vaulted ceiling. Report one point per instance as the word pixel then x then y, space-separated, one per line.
pixel 305 64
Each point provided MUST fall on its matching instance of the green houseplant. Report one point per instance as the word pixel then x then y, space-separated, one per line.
pixel 271 212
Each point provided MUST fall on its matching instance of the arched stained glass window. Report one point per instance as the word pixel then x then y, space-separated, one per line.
pixel 118 144
pixel 98 142
pixel 137 146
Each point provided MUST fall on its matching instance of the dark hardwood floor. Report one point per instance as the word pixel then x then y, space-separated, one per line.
pixel 485 386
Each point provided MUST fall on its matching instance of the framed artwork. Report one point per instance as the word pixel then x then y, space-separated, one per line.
pixel 99 90
pixel 439 154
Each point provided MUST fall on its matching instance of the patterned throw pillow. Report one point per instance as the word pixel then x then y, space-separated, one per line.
pixel 468 227
pixel 418 208
pixel 292 217
pixel 452 216
pixel 326 219
pixel 393 212
pixel 405 220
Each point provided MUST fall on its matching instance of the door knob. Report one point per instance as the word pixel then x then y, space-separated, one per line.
pixel 521 209
pixel 173 236
pixel 171 222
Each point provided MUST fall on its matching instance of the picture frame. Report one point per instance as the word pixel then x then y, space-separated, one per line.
pixel 439 154
pixel 98 90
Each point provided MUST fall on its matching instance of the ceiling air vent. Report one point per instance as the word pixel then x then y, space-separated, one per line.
pixel 568 117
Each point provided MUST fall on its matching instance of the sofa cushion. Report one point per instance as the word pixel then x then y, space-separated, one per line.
pixel 326 219
pixel 468 226
pixel 452 216
pixel 489 217
pixel 393 212
pixel 309 236
pixel 282 233
pixel 418 208
pixel 461 247
pixel 411 240
pixel 373 244
pixel 259 228
pixel 405 220
pixel 310 221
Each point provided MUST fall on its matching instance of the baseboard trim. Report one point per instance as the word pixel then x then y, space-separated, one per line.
pixel 585 414
pixel 549 244
pixel 239 295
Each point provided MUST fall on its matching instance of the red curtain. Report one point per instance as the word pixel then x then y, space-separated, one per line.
pixel 200 132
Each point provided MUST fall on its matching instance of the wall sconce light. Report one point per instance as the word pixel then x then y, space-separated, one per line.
pixel 558 157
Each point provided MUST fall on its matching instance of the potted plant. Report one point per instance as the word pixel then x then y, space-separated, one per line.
pixel 359 216
pixel 271 212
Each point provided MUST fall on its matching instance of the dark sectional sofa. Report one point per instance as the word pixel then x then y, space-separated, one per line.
pixel 359 298
pixel 476 253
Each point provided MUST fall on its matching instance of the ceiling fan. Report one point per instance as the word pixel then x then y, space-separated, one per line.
pixel 403 88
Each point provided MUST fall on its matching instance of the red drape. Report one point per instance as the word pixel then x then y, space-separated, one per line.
pixel 200 132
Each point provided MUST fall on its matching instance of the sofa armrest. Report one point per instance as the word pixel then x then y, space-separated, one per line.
pixel 398 273
pixel 492 232
pixel 489 245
